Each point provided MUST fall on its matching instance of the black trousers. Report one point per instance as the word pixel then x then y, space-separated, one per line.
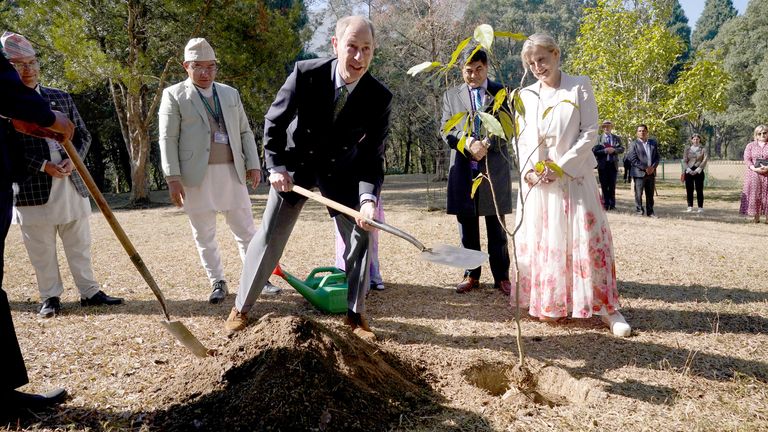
pixel 12 368
pixel 607 175
pixel 697 181
pixel 498 251
pixel 645 184
pixel 627 170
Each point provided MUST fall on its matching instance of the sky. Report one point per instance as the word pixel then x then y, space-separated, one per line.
pixel 693 9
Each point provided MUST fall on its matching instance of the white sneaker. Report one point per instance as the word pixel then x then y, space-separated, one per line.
pixel 617 324
pixel 270 289
pixel 690 209
pixel 701 210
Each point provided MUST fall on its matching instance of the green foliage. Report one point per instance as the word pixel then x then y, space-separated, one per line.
pixel 701 87
pixel 678 24
pixel 628 54
pixel 541 166
pixel 476 184
pixel 560 18
pixel 744 43
pixel 256 41
pixel 715 14
pixel 134 48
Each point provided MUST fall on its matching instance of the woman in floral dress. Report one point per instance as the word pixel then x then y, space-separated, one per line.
pixel 754 196
pixel 564 246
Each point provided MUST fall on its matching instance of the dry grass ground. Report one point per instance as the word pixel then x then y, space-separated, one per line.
pixel 692 286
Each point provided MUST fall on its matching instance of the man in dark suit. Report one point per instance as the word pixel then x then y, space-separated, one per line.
pixel 644 156
pixel 52 198
pixel 607 153
pixel 18 102
pixel 479 155
pixel 326 128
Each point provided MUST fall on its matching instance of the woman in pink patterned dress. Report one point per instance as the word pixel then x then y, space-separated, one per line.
pixel 564 246
pixel 754 196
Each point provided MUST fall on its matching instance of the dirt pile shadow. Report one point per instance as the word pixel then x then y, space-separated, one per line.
pixel 292 373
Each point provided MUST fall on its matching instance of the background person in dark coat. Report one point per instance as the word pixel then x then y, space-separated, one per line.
pixel 18 102
pixel 476 94
pixel 607 153
pixel 644 156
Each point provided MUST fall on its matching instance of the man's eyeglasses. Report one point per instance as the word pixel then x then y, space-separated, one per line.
pixel 30 65
pixel 206 69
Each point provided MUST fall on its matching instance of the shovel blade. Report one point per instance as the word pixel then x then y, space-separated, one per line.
pixel 454 256
pixel 183 335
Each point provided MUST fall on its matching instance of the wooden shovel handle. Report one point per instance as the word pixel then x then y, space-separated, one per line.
pixel 356 214
pixel 116 228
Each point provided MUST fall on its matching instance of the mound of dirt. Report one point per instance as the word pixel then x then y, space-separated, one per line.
pixel 293 373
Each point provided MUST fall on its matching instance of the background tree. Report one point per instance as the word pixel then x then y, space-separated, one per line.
pixel 715 14
pixel 559 18
pixel 408 31
pixel 744 43
pixel 678 24
pixel 135 48
pixel 629 53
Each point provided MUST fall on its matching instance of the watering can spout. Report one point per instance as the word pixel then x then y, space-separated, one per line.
pixel 278 271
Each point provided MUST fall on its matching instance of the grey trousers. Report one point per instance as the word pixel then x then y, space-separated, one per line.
pixel 266 249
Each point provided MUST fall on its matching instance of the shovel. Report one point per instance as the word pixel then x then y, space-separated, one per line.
pixel 176 328
pixel 439 254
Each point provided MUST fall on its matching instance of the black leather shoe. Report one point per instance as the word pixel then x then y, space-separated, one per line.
pixel 219 292
pixel 50 307
pixel 100 298
pixel 16 400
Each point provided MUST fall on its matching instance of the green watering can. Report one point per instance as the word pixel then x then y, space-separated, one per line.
pixel 325 287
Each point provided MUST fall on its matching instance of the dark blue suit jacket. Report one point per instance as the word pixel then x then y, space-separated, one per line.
pixel 344 158
pixel 19 102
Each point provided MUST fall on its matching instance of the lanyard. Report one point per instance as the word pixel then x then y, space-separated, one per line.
pixel 214 113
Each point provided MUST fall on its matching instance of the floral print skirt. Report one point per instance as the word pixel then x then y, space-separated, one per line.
pixel 565 252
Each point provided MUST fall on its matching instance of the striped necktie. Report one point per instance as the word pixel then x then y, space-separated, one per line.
pixel 477 93
pixel 341 99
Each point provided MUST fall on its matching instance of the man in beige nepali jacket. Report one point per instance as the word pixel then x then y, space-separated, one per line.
pixel 208 154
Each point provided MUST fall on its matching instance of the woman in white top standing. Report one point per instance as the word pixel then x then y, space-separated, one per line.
pixel 694 161
pixel 564 246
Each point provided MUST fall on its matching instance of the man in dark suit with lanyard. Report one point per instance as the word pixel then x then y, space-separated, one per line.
pixel 326 128
pixel 18 102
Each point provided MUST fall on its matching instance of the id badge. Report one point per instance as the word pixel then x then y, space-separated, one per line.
pixel 53 145
pixel 220 138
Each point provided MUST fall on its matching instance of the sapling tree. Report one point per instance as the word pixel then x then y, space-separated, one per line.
pixel 504 121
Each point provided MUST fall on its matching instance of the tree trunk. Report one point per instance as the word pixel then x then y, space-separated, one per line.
pixel 138 149
pixel 407 162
